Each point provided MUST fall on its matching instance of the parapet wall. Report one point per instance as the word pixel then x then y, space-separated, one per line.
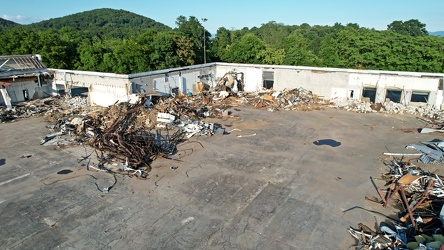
pixel 408 88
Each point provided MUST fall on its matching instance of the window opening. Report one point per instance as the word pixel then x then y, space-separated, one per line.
pixel 369 93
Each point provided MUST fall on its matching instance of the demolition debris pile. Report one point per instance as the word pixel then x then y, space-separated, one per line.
pixel 386 107
pixel 26 109
pixel 132 133
pixel 289 99
pixel 203 104
pixel 123 132
pixel 50 107
pixel 420 194
pixel 137 133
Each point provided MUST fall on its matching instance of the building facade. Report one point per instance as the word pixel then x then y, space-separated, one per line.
pixel 104 89
pixel 22 78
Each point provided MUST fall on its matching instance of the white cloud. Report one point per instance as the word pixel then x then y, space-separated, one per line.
pixel 20 19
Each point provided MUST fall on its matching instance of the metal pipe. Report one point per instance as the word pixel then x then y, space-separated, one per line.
pixel 204 46
pixel 406 203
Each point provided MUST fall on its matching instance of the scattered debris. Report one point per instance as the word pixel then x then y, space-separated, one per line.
pixel 128 136
pixel 107 189
pixel 420 196
pixel 240 136
pixel 386 107
pixel 288 99
pixel 431 152
pixel 50 107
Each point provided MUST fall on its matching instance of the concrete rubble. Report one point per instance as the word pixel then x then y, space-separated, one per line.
pixel 386 107
pixel 25 109
pixel 50 107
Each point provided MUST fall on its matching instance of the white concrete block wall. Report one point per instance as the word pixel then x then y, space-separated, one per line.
pixel 407 84
pixel 34 91
pixel 104 88
pixel 106 95
pixel 325 82
pixel 184 80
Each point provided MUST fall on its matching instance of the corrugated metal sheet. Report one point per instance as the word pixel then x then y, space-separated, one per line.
pixel 20 63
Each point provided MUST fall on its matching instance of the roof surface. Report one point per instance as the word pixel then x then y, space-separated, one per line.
pixel 20 63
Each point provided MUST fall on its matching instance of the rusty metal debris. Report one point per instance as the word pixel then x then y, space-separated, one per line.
pixel 420 196
pixel 125 133
pixel 128 136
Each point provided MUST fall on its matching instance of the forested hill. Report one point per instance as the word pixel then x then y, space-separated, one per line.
pixel 109 22
pixel 4 24
pixel 118 41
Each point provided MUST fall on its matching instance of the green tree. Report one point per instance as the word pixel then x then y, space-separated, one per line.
pixel 128 57
pixel 18 41
pixel 221 43
pixel 272 33
pixel 272 56
pixel 184 50
pixel 171 49
pixel 92 54
pixel 71 37
pixel 246 50
pixel 412 27
pixel 195 32
pixel 297 52
pixel 54 51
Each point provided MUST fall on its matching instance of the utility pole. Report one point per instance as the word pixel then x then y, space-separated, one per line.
pixel 205 53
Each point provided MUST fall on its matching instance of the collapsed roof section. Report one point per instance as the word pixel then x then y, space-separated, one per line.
pixel 20 65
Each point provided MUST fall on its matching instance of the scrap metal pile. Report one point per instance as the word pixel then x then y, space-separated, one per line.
pixel 420 196
pixel 123 131
pixel 431 151
pixel 127 136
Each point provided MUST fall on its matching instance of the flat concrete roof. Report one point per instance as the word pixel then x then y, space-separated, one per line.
pixel 274 188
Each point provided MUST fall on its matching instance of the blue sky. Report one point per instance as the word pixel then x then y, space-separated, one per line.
pixel 233 14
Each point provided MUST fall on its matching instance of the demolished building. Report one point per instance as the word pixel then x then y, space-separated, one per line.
pixel 22 78
pixel 406 88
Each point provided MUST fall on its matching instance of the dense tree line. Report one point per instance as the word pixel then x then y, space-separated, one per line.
pixel 404 46
pixel 5 24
